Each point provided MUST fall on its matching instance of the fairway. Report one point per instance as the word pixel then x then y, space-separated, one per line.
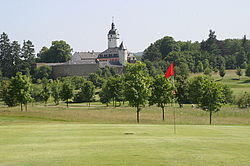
pixel 64 144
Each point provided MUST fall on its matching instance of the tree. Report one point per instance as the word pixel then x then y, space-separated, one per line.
pixel 96 79
pixel 43 72
pixel 244 100
pixel 137 86
pixel 222 71
pixel 5 50
pixel 181 90
pixel 182 70
pixel 239 72
pixel 247 72
pixel 210 96
pixel 66 92
pixel 208 71
pixel 104 94
pixel 58 52
pixel 195 88
pixel 88 91
pixel 20 89
pixel 241 58
pixel 46 90
pixel 199 67
pixel 8 95
pixel 162 93
pixel 27 55
pixel 55 91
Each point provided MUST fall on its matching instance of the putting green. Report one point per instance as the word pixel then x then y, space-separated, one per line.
pixel 73 144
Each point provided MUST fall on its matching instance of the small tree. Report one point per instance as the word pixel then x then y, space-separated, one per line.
pixel 162 93
pixel 222 72
pixel 211 96
pixel 207 71
pixel 88 91
pixel 104 94
pixel 55 91
pixel 66 92
pixel 20 89
pixel 248 71
pixel 243 101
pixel 137 86
pixel 239 72
pixel 7 94
pixel 46 90
pixel 43 72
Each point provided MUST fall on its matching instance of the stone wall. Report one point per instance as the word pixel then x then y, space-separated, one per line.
pixel 73 70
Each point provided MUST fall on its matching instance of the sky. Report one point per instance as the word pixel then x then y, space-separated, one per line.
pixel 84 24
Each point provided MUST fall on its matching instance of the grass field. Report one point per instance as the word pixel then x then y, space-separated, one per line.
pixel 100 135
pixel 74 144
pixel 231 79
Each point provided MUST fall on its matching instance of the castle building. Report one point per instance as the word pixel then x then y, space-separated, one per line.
pixel 84 63
pixel 117 53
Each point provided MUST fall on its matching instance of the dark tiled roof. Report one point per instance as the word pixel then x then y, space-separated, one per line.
pixel 88 55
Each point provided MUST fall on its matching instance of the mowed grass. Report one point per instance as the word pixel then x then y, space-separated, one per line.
pixel 238 86
pixel 100 114
pixel 71 144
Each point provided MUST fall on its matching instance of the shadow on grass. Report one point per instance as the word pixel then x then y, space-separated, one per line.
pixel 244 82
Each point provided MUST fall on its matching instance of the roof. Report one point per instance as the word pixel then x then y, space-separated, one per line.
pixel 87 55
pixel 111 51
pixel 113 31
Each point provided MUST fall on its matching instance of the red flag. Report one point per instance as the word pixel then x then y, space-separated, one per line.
pixel 170 71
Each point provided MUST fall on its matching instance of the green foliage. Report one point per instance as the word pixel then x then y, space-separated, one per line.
pixel 43 72
pixel 96 79
pixel 182 93
pixel 46 90
pixel 28 56
pixel 137 85
pixel 86 93
pixel 7 94
pixel 222 71
pixel 182 70
pixel 162 93
pixel 66 92
pixel 244 100
pixel 210 95
pixel 55 90
pixel 247 72
pixel 18 91
pixel 59 51
pixel 199 67
pixel 208 71
pixel 104 94
pixel 239 72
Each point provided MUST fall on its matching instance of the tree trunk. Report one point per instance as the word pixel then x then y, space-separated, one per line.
pixel 89 104
pixel 163 113
pixel 138 115
pixel 67 103
pixel 210 120
pixel 21 107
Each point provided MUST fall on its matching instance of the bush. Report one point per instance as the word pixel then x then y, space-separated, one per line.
pixel 244 100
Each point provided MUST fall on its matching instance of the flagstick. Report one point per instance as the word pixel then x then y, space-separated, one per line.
pixel 174 107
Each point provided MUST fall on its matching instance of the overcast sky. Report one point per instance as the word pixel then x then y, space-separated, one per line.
pixel 84 24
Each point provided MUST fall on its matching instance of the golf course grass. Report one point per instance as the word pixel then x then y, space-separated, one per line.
pixel 80 135
pixel 74 144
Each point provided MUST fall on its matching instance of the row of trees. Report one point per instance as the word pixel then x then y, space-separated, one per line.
pixel 135 86
pixel 14 57
pixel 210 54
pixel 20 58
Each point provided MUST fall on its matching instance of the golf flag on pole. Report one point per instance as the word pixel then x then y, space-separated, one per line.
pixel 170 71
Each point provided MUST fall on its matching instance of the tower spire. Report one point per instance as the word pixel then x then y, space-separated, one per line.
pixel 113 24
